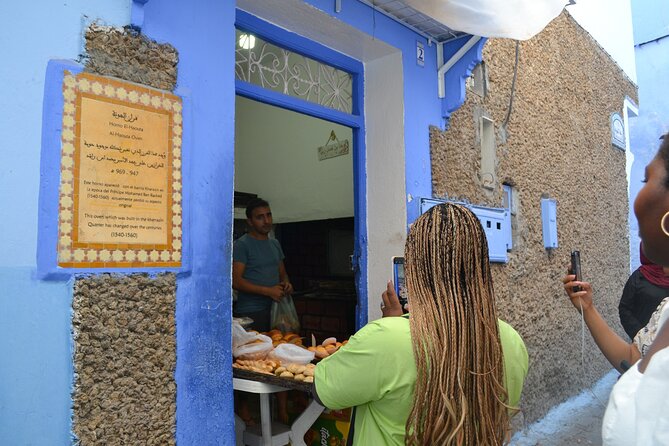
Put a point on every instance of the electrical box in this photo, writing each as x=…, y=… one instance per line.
x=496, y=225
x=549, y=222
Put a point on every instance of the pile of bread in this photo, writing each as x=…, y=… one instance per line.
x=298, y=372
x=279, y=338
x=266, y=366
x=328, y=347
x=255, y=353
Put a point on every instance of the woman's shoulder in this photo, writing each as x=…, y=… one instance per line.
x=385, y=329
x=386, y=324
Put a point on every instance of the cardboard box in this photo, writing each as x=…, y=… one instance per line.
x=330, y=429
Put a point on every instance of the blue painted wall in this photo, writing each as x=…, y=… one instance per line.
x=649, y=19
x=35, y=316
x=36, y=370
x=651, y=36
x=203, y=33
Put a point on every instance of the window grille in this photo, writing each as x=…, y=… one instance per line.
x=264, y=64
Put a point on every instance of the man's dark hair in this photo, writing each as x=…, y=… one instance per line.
x=253, y=204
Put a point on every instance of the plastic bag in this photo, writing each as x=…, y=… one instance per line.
x=239, y=335
x=244, y=321
x=258, y=348
x=284, y=316
x=291, y=354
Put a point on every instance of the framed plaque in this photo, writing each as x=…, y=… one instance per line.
x=120, y=196
x=618, y=131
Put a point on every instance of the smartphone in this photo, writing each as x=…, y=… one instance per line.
x=576, y=268
x=398, y=280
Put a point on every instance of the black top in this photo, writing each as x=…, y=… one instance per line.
x=639, y=300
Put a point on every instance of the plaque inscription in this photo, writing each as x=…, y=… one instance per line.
x=120, y=190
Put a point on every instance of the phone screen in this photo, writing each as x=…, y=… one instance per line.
x=398, y=279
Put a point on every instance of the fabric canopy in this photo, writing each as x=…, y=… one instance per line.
x=514, y=19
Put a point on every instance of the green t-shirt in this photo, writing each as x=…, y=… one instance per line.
x=376, y=372
x=261, y=259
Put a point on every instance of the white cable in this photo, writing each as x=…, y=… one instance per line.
x=580, y=302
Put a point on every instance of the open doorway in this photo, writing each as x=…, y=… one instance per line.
x=303, y=166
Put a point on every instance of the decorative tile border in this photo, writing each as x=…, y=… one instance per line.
x=73, y=253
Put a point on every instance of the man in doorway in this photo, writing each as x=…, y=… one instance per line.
x=259, y=276
x=258, y=272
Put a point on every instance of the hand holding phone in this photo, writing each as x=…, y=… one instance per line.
x=390, y=304
x=580, y=295
x=398, y=279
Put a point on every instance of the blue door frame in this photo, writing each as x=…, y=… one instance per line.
x=355, y=121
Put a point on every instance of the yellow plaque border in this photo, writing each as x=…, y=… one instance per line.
x=75, y=254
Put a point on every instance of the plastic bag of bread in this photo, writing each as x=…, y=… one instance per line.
x=291, y=354
x=239, y=335
x=258, y=348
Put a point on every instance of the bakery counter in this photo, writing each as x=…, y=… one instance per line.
x=265, y=378
x=272, y=433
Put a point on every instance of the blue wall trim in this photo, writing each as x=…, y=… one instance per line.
x=47, y=234
x=456, y=77
x=270, y=97
x=52, y=118
x=294, y=42
x=360, y=223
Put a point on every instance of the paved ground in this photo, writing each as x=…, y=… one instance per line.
x=577, y=421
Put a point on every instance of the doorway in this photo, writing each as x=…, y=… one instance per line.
x=294, y=79
x=303, y=166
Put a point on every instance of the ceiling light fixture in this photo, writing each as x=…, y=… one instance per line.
x=247, y=41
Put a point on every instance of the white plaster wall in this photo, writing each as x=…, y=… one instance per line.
x=386, y=191
x=276, y=158
x=609, y=22
x=29, y=37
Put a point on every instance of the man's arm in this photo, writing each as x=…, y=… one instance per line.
x=283, y=277
x=239, y=283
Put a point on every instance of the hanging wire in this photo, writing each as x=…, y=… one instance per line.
x=513, y=87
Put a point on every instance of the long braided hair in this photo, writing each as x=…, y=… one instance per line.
x=459, y=396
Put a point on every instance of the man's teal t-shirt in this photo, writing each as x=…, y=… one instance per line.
x=376, y=372
x=261, y=259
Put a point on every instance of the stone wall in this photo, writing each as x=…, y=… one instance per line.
x=557, y=145
x=127, y=54
x=124, y=359
x=124, y=325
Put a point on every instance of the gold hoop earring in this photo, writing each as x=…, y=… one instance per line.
x=666, y=232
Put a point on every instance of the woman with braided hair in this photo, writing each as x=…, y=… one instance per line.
x=451, y=372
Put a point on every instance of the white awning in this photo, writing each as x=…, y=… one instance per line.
x=514, y=19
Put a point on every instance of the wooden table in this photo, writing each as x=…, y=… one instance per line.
x=275, y=434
